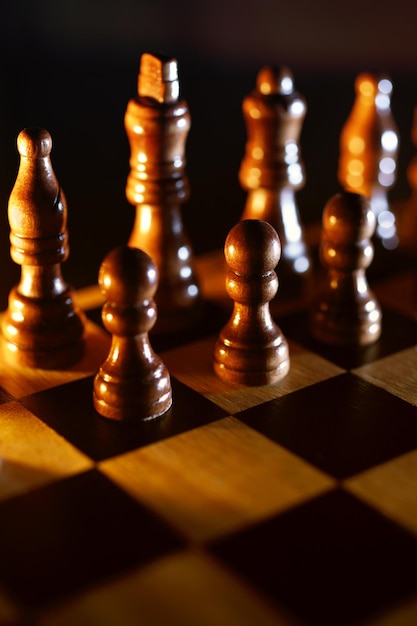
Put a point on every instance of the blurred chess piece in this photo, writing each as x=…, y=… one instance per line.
x=368, y=152
x=157, y=122
x=346, y=312
x=251, y=349
x=412, y=168
x=407, y=208
x=272, y=169
x=133, y=383
x=41, y=326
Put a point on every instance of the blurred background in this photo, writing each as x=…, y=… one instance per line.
x=71, y=66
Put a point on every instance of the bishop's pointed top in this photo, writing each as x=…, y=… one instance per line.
x=34, y=143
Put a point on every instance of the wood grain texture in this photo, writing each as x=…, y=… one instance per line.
x=33, y=455
x=390, y=488
x=203, y=491
x=306, y=369
x=396, y=373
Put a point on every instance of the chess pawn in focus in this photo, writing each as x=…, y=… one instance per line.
x=157, y=122
x=41, y=325
x=133, y=382
x=251, y=349
x=272, y=170
x=346, y=313
x=368, y=152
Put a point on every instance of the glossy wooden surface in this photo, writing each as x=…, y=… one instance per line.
x=346, y=312
x=133, y=382
x=181, y=520
x=251, y=349
x=157, y=122
x=41, y=326
x=250, y=474
x=272, y=169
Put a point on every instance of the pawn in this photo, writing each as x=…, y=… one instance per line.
x=251, y=349
x=41, y=325
x=132, y=383
x=346, y=313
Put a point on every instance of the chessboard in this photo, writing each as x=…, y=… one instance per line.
x=291, y=503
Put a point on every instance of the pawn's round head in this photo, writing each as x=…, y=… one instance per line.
x=252, y=248
x=128, y=276
x=34, y=143
x=348, y=218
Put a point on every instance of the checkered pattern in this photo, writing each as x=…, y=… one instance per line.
x=292, y=504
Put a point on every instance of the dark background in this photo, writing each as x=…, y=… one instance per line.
x=71, y=66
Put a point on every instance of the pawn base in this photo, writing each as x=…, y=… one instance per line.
x=129, y=413
x=132, y=399
x=340, y=330
x=48, y=359
x=254, y=379
x=42, y=333
x=249, y=365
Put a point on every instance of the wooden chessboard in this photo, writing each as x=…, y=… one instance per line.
x=290, y=504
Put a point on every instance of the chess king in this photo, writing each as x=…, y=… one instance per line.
x=157, y=122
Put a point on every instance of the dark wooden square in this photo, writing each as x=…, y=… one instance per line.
x=5, y=396
x=398, y=332
x=69, y=410
x=332, y=560
x=343, y=425
x=75, y=532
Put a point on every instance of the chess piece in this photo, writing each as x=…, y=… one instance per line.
x=346, y=313
x=368, y=152
x=407, y=208
x=41, y=325
x=251, y=349
x=272, y=170
x=412, y=168
x=157, y=122
x=133, y=382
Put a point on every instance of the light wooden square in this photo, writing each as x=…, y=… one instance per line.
x=391, y=488
x=396, y=373
x=32, y=454
x=216, y=479
x=22, y=381
x=193, y=365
